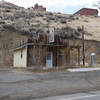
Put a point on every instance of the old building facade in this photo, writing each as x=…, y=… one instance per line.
x=37, y=53
x=62, y=52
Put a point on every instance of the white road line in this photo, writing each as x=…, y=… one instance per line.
x=75, y=98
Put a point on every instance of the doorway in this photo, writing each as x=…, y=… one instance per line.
x=49, y=60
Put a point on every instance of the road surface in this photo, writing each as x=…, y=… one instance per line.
x=79, y=96
x=16, y=84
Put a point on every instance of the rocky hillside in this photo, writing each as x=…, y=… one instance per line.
x=30, y=22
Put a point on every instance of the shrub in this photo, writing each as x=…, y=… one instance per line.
x=68, y=32
x=77, y=18
x=10, y=27
x=59, y=16
x=51, y=18
x=77, y=33
x=71, y=18
x=49, y=13
x=24, y=32
x=58, y=13
x=39, y=14
x=31, y=29
x=39, y=31
x=7, y=10
x=63, y=21
x=79, y=29
x=85, y=20
x=2, y=22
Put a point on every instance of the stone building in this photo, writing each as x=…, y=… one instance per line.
x=39, y=8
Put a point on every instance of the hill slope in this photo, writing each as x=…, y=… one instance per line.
x=30, y=22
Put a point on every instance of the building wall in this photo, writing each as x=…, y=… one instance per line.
x=91, y=46
x=85, y=11
x=36, y=56
x=20, y=58
x=61, y=56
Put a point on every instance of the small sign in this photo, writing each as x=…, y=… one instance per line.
x=51, y=35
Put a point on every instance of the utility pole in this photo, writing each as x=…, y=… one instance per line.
x=3, y=2
x=3, y=6
x=83, y=46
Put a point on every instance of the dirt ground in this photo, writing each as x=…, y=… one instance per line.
x=24, y=85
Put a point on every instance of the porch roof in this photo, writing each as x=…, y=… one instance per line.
x=40, y=44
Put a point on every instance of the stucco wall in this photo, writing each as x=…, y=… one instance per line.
x=20, y=61
x=91, y=46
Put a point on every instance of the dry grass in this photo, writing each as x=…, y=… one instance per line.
x=91, y=24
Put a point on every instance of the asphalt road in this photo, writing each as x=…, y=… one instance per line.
x=79, y=96
x=25, y=85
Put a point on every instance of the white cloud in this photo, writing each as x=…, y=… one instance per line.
x=56, y=3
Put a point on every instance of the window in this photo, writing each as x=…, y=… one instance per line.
x=21, y=54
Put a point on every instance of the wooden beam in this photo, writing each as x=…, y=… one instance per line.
x=79, y=56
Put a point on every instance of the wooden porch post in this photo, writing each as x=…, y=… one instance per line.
x=54, y=56
x=68, y=57
x=78, y=56
x=44, y=56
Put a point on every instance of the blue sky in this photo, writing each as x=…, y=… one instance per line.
x=67, y=10
x=63, y=6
